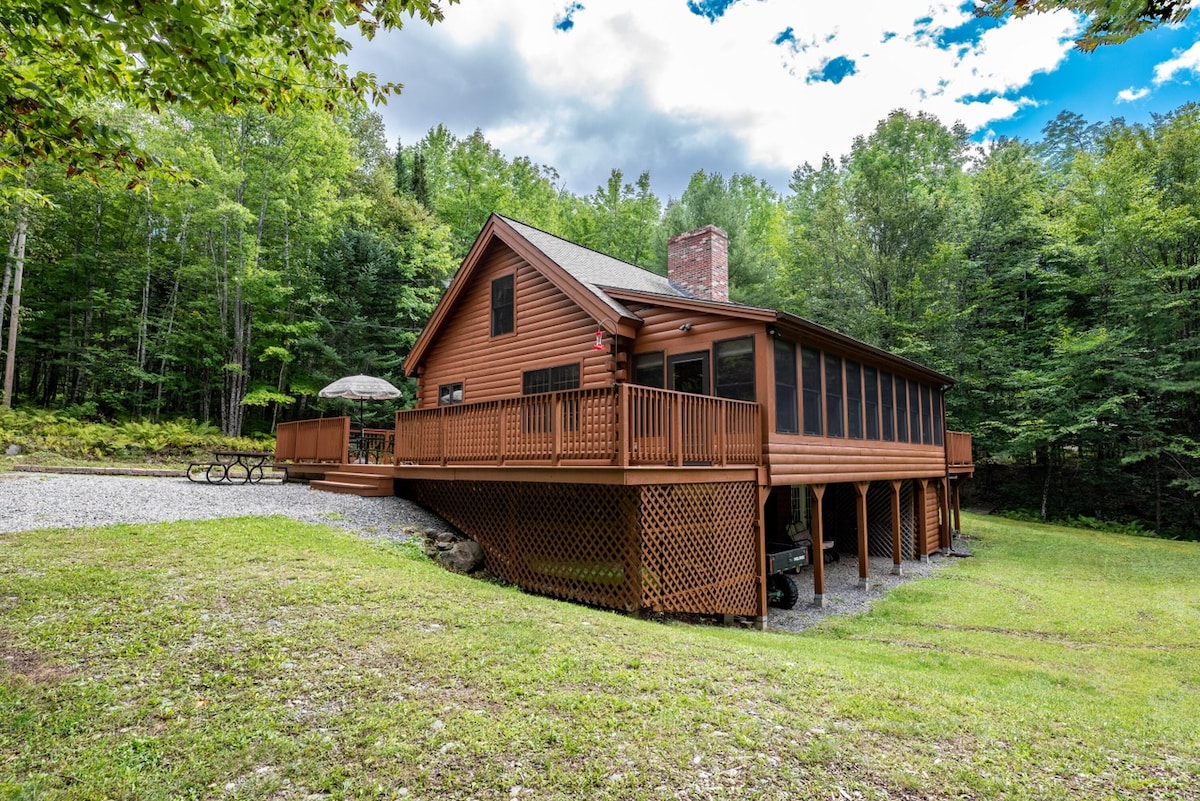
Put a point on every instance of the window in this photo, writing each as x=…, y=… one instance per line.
x=450, y=393
x=901, y=410
x=502, y=305
x=854, y=411
x=786, y=413
x=537, y=416
x=810, y=372
x=887, y=406
x=926, y=415
x=648, y=369
x=734, y=378
x=834, y=413
x=550, y=379
x=914, y=412
x=871, y=401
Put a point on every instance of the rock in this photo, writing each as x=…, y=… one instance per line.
x=464, y=556
x=13, y=450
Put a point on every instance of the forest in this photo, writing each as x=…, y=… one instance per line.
x=1057, y=280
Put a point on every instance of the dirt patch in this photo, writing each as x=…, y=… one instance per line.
x=30, y=665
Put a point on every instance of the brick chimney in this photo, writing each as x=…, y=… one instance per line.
x=698, y=262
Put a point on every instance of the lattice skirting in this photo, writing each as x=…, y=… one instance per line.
x=673, y=548
x=879, y=520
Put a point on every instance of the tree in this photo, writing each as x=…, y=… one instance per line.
x=1107, y=22
x=62, y=59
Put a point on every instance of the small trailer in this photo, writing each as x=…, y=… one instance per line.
x=782, y=559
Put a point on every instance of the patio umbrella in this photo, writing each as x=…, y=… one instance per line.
x=361, y=388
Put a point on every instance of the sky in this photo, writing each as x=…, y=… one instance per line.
x=756, y=87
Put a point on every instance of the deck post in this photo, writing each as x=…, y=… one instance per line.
x=677, y=429
x=764, y=494
x=556, y=426
x=954, y=490
x=897, y=540
x=816, y=528
x=944, y=514
x=722, y=439
x=864, y=563
x=921, y=518
x=624, y=424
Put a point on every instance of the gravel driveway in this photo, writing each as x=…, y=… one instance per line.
x=31, y=501
x=52, y=500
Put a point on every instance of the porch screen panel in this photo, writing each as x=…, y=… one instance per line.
x=786, y=411
x=887, y=406
x=938, y=425
x=901, y=410
x=871, y=401
x=926, y=415
x=914, y=412
x=835, y=419
x=854, y=400
x=810, y=373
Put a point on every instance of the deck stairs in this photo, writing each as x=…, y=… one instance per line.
x=364, y=480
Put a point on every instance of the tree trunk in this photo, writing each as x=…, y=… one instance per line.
x=15, y=317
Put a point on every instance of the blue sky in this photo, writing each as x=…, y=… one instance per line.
x=751, y=86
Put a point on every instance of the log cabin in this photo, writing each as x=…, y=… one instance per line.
x=639, y=442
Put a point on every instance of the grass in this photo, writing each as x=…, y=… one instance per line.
x=266, y=659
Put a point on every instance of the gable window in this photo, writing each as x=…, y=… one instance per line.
x=734, y=374
x=854, y=405
x=786, y=413
x=502, y=306
x=810, y=373
x=887, y=406
x=901, y=410
x=835, y=419
x=648, y=370
x=449, y=394
x=871, y=401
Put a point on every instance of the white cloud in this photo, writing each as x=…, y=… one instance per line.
x=1131, y=94
x=656, y=68
x=1187, y=61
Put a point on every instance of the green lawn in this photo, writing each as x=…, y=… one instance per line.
x=266, y=659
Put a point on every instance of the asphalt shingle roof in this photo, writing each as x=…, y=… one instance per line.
x=595, y=270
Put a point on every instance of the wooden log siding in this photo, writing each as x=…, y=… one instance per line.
x=550, y=330
x=323, y=440
x=584, y=427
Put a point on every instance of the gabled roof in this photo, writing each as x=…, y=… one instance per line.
x=593, y=269
x=599, y=283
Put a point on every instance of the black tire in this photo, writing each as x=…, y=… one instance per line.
x=782, y=592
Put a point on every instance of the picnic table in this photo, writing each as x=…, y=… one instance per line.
x=231, y=467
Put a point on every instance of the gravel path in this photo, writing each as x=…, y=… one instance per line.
x=30, y=501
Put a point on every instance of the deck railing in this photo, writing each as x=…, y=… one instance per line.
x=625, y=426
x=323, y=440
x=958, y=449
